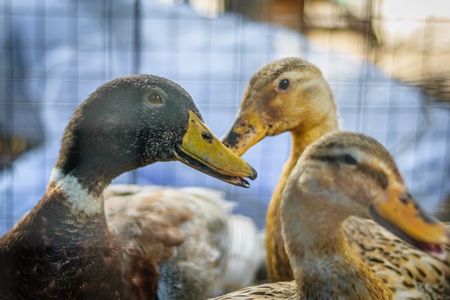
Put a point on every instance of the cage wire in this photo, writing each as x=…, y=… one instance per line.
x=389, y=81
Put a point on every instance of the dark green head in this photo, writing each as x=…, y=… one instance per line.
x=137, y=120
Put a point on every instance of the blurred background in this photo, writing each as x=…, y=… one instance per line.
x=387, y=63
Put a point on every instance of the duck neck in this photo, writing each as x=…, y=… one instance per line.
x=301, y=139
x=274, y=240
x=81, y=199
x=93, y=162
x=92, y=175
x=95, y=150
x=323, y=264
x=82, y=177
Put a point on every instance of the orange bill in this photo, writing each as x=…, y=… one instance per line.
x=398, y=212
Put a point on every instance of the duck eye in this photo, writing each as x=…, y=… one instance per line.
x=284, y=84
x=154, y=98
x=207, y=137
x=348, y=159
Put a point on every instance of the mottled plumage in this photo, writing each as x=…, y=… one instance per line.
x=188, y=232
x=422, y=277
x=337, y=178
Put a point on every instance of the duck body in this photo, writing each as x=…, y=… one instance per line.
x=43, y=261
x=345, y=176
x=162, y=224
x=63, y=247
x=189, y=232
x=286, y=95
x=406, y=271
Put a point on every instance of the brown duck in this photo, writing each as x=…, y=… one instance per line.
x=344, y=175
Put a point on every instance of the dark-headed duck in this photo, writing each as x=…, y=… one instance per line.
x=63, y=249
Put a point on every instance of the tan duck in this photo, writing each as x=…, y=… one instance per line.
x=201, y=248
x=346, y=174
x=286, y=95
x=63, y=248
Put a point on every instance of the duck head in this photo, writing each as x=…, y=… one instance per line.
x=286, y=95
x=352, y=174
x=137, y=120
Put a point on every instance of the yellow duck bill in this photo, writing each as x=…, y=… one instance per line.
x=203, y=151
x=398, y=212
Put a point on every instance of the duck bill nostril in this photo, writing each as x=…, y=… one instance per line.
x=212, y=157
x=207, y=137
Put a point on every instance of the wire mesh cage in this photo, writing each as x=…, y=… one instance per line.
x=389, y=82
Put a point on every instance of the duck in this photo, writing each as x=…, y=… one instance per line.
x=289, y=94
x=202, y=249
x=349, y=175
x=63, y=248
